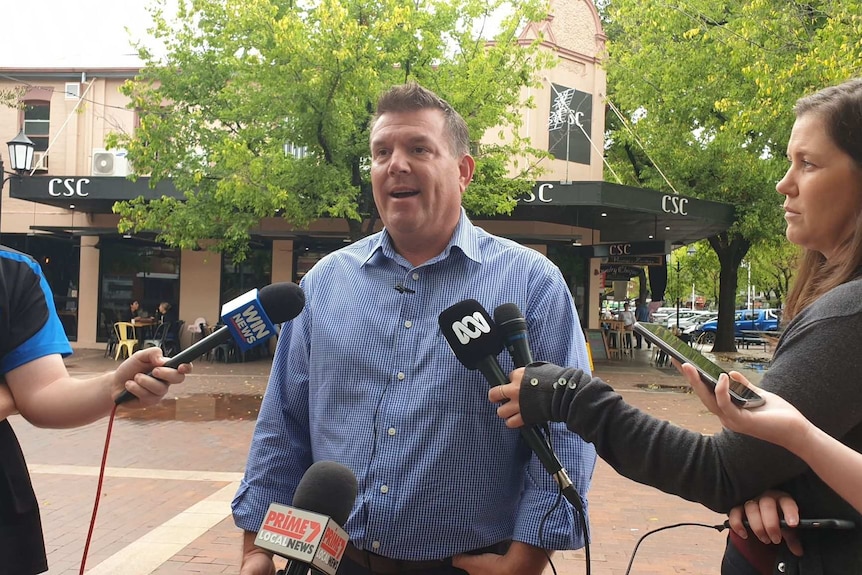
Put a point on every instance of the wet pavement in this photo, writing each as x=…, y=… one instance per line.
x=172, y=471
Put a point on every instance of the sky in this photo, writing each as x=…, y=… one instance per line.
x=79, y=33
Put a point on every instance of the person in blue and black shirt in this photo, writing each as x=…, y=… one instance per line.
x=35, y=384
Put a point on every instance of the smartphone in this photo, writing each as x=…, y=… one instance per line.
x=709, y=372
x=812, y=524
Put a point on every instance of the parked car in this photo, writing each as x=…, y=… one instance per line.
x=687, y=317
x=695, y=327
x=746, y=323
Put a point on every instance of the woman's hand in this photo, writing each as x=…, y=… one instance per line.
x=509, y=396
x=763, y=515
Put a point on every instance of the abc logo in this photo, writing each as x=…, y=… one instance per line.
x=471, y=327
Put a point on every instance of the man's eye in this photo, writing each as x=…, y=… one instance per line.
x=419, y=150
x=380, y=153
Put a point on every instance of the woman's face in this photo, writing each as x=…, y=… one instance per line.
x=822, y=189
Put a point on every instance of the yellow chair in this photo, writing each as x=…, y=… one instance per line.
x=127, y=341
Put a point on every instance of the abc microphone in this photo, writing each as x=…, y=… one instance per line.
x=309, y=533
x=249, y=319
x=476, y=341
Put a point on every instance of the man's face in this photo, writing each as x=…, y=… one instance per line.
x=417, y=179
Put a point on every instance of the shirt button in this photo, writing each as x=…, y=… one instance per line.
x=391, y=431
x=384, y=489
x=415, y=276
x=375, y=544
x=408, y=324
x=401, y=376
x=534, y=382
x=781, y=567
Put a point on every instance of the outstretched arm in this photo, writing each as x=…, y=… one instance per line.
x=777, y=421
x=47, y=396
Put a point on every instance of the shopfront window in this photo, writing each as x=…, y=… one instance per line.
x=253, y=272
x=135, y=270
x=59, y=258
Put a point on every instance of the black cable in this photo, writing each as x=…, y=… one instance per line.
x=580, y=511
x=718, y=528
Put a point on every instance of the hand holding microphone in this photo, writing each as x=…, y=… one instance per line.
x=249, y=319
x=476, y=341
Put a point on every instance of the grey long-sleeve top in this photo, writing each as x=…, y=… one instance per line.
x=817, y=367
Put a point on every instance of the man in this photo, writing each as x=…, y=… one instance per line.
x=364, y=376
x=641, y=315
x=32, y=345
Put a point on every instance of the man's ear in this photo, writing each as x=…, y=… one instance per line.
x=466, y=167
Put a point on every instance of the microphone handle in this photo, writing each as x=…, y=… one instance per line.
x=296, y=568
x=519, y=349
x=187, y=355
x=490, y=368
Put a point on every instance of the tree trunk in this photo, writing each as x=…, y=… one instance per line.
x=731, y=249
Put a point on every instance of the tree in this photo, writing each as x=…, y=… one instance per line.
x=263, y=107
x=772, y=268
x=705, y=91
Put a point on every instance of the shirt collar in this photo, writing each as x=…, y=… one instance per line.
x=465, y=238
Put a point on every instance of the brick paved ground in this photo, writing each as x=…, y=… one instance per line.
x=173, y=469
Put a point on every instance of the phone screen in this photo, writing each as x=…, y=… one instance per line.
x=684, y=353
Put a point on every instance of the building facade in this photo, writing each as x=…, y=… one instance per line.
x=61, y=212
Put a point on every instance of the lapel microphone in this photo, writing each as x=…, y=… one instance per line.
x=400, y=288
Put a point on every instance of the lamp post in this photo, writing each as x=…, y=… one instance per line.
x=20, y=157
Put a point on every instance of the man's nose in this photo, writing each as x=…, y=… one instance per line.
x=399, y=162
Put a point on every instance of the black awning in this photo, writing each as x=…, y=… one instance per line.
x=625, y=213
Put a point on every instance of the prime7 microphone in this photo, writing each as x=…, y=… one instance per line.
x=476, y=341
x=309, y=533
x=248, y=318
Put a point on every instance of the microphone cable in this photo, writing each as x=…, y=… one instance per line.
x=98, y=488
x=578, y=504
x=718, y=528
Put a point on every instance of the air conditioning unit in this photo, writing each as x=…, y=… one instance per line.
x=40, y=161
x=110, y=163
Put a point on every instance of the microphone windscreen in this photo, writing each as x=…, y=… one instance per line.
x=328, y=488
x=509, y=319
x=471, y=332
x=282, y=301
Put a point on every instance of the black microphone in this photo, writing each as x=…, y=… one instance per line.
x=401, y=288
x=476, y=341
x=309, y=533
x=513, y=327
x=248, y=318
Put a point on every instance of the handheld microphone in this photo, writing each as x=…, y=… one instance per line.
x=248, y=318
x=476, y=341
x=513, y=328
x=309, y=533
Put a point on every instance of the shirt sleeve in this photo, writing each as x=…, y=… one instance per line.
x=31, y=327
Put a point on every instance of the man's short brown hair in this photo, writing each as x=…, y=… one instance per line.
x=411, y=97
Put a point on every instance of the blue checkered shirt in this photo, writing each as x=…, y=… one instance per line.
x=363, y=376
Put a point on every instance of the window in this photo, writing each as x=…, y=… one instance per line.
x=37, y=123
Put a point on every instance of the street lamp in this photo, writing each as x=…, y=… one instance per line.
x=20, y=157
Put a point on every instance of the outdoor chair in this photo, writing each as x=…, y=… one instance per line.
x=126, y=339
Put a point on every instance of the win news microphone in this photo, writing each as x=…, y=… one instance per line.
x=476, y=341
x=309, y=533
x=249, y=319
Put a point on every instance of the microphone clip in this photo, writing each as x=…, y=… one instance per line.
x=401, y=288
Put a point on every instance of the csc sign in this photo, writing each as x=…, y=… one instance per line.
x=541, y=194
x=68, y=187
x=674, y=205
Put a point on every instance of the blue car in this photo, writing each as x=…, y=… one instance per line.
x=746, y=321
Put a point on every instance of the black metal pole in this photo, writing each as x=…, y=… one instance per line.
x=677, y=296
